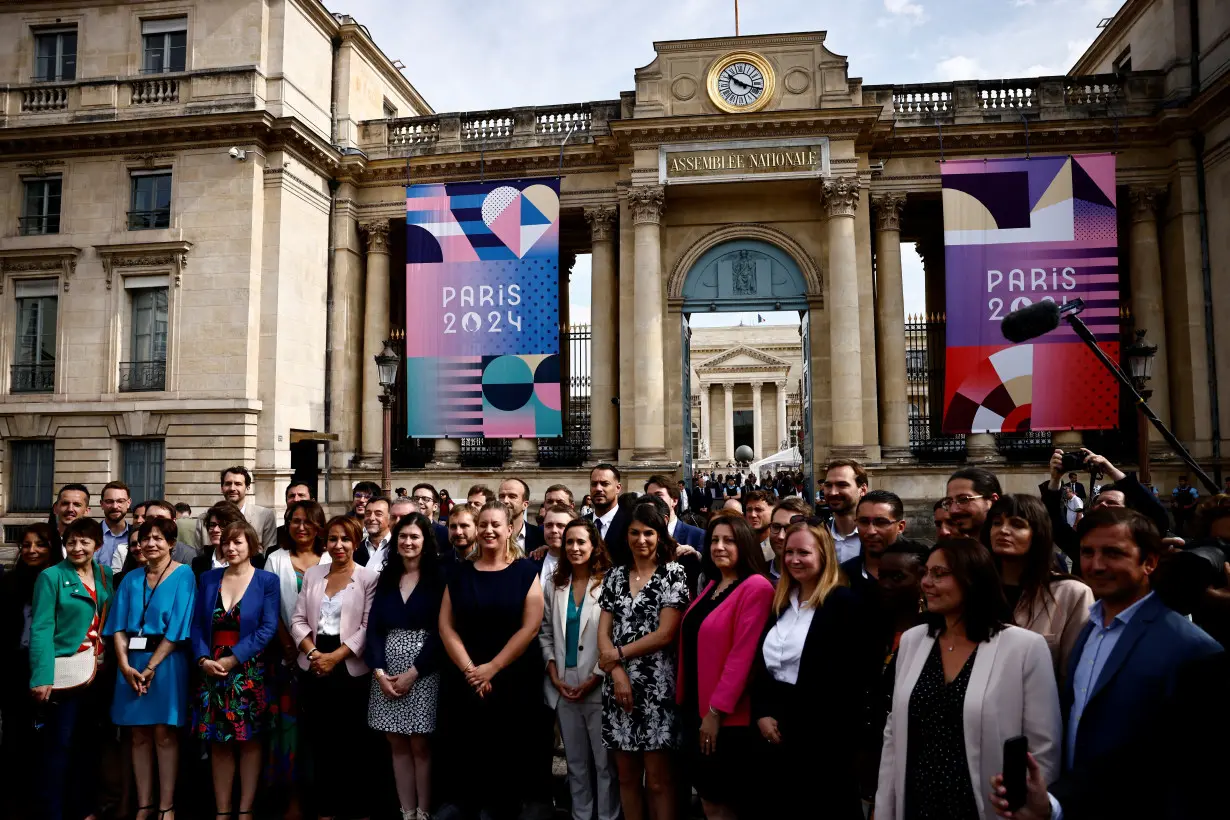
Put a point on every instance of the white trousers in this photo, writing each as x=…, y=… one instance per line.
x=590, y=766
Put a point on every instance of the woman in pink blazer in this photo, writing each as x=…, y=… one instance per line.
x=330, y=628
x=718, y=641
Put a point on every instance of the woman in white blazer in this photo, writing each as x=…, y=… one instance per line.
x=569, y=643
x=966, y=681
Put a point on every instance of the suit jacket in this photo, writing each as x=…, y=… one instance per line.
x=1130, y=717
x=355, y=606
x=552, y=638
x=687, y=534
x=262, y=520
x=534, y=537
x=1011, y=692
x=616, y=537
x=726, y=650
x=202, y=564
x=1060, y=620
x=258, y=615
x=60, y=616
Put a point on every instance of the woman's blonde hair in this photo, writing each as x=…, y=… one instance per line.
x=514, y=552
x=831, y=575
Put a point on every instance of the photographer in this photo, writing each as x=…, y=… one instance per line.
x=1195, y=578
x=1125, y=491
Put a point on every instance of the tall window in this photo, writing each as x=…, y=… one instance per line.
x=55, y=55
x=31, y=475
x=151, y=200
x=34, y=363
x=146, y=368
x=143, y=460
x=40, y=206
x=164, y=45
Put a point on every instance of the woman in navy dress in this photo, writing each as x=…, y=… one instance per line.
x=490, y=616
x=150, y=618
x=236, y=618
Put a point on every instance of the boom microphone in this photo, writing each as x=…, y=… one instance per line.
x=1031, y=321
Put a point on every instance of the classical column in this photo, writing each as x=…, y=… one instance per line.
x=841, y=304
x=1147, y=305
x=647, y=203
x=890, y=304
x=375, y=332
x=604, y=330
x=757, y=423
x=704, y=418
x=730, y=420
x=783, y=435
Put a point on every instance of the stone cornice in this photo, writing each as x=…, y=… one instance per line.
x=47, y=260
x=742, y=43
x=144, y=255
x=742, y=350
x=831, y=122
x=357, y=34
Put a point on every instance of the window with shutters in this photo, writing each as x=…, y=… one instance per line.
x=31, y=475
x=164, y=45
x=143, y=460
x=34, y=357
x=55, y=54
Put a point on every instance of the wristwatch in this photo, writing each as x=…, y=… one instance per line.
x=378, y=673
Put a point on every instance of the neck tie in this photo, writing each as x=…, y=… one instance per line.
x=598, y=524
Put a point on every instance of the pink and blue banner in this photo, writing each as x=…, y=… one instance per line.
x=482, y=310
x=1017, y=231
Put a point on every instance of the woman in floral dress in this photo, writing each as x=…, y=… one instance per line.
x=236, y=618
x=642, y=604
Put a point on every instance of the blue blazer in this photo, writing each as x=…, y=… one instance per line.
x=258, y=615
x=1129, y=716
x=691, y=536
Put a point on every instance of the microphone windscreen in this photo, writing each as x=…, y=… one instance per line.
x=1031, y=322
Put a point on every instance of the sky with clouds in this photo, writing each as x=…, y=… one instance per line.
x=468, y=55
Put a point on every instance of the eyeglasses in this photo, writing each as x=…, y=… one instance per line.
x=424, y=499
x=938, y=573
x=958, y=501
x=213, y=525
x=362, y=496
x=878, y=523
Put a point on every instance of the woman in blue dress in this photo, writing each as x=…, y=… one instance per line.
x=151, y=618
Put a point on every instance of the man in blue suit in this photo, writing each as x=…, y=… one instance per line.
x=1127, y=740
x=684, y=534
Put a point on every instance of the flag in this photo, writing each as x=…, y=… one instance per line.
x=759, y=319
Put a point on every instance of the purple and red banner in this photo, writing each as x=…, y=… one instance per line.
x=1017, y=231
x=482, y=310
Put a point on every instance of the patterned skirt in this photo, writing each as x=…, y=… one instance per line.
x=415, y=712
x=235, y=707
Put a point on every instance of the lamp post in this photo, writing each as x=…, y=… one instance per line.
x=388, y=362
x=1140, y=368
x=795, y=427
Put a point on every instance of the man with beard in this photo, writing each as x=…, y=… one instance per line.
x=462, y=535
x=971, y=492
x=610, y=519
x=114, y=549
x=236, y=484
x=881, y=523
x=845, y=482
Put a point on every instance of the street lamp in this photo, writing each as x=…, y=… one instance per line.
x=388, y=362
x=795, y=427
x=1140, y=368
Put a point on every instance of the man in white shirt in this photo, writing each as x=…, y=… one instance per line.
x=375, y=548
x=553, y=523
x=845, y=483
x=1073, y=506
x=236, y=483
x=516, y=494
x=758, y=512
x=604, y=489
x=114, y=548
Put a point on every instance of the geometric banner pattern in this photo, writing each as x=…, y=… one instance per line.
x=482, y=310
x=1019, y=231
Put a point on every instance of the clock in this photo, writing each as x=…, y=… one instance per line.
x=741, y=82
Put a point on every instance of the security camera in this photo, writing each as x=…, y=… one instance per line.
x=238, y=153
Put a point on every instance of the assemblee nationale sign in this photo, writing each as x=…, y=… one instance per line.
x=732, y=161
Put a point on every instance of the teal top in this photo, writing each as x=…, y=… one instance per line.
x=61, y=614
x=572, y=631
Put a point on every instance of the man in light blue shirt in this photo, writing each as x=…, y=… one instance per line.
x=115, y=502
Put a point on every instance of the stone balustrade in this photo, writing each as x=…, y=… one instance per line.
x=155, y=91
x=44, y=98
x=536, y=127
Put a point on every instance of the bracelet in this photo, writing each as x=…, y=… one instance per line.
x=714, y=712
x=313, y=651
x=378, y=673
x=469, y=666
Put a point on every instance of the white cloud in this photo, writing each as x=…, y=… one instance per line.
x=904, y=8
x=1022, y=3
x=960, y=68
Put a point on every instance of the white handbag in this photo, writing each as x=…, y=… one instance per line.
x=75, y=671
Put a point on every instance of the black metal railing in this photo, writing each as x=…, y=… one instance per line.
x=39, y=225
x=924, y=371
x=32, y=378
x=148, y=220
x=412, y=453
x=573, y=447
x=1030, y=445
x=485, y=453
x=140, y=376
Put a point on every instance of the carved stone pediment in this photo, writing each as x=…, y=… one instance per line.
x=741, y=357
x=145, y=256
x=35, y=260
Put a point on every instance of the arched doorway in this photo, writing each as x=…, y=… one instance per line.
x=748, y=268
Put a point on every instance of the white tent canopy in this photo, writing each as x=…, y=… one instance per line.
x=786, y=458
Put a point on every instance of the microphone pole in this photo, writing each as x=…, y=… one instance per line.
x=1086, y=335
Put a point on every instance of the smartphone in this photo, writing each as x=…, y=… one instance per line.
x=1015, y=766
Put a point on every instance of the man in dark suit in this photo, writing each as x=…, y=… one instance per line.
x=880, y=520
x=684, y=534
x=610, y=519
x=1126, y=690
x=516, y=493
x=428, y=500
x=295, y=491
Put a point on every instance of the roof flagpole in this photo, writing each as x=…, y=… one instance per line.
x=736, y=18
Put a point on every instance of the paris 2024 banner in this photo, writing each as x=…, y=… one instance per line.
x=1017, y=231
x=482, y=309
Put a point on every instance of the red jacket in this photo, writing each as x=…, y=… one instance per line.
x=726, y=649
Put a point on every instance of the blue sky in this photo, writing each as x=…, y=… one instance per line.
x=468, y=55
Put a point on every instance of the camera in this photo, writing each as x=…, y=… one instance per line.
x=1182, y=577
x=1073, y=462
x=237, y=153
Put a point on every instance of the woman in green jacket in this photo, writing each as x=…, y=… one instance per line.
x=70, y=607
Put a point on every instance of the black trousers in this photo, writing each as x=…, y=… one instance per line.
x=334, y=720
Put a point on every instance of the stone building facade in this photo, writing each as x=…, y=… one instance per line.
x=279, y=261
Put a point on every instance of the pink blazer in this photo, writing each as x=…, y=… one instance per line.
x=355, y=606
x=726, y=648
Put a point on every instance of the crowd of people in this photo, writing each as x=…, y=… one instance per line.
x=737, y=654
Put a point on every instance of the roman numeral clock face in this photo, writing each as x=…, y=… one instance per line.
x=740, y=82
